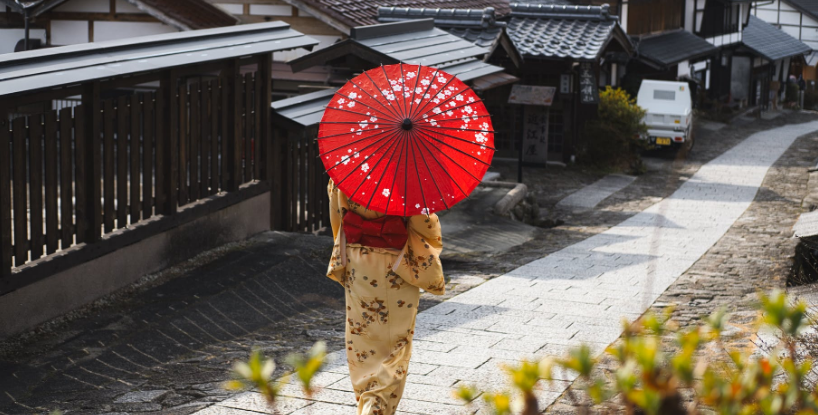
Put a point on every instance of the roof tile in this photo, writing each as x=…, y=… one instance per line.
x=673, y=47
x=560, y=31
x=365, y=12
x=771, y=42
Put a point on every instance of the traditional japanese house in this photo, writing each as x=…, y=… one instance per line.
x=568, y=52
x=671, y=55
x=411, y=42
x=67, y=22
x=799, y=19
x=768, y=52
x=255, y=11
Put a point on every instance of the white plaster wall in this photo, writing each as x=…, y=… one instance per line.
x=690, y=7
x=623, y=18
x=10, y=37
x=769, y=16
x=794, y=31
x=324, y=41
x=683, y=68
x=68, y=32
x=809, y=34
x=85, y=6
x=271, y=10
x=789, y=17
x=786, y=7
x=231, y=8
x=124, y=30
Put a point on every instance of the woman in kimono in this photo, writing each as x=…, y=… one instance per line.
x=382, y=285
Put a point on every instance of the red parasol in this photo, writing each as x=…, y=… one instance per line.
x=406, y=140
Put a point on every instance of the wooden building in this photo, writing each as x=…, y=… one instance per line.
x=568, y=52
x=68, y=22
x=797, y=18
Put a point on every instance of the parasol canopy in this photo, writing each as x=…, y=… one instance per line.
x=406, y=140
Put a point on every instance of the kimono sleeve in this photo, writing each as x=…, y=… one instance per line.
x=421, y=265
x=338, y=206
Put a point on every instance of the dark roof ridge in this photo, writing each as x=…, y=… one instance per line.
x=466, y=18
x=562, y=11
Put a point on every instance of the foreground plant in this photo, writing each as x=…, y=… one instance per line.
x=257, y=372
x=649, y=379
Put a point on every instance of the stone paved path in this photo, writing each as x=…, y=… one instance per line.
x=578, y=294
x=590, y=196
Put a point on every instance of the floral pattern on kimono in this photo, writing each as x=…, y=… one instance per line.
x=381, y=302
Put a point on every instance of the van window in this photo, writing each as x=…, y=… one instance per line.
x=665, y=95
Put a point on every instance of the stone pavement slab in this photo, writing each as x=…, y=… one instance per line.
x=590, y=196
x=625, y=269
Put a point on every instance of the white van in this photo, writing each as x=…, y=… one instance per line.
x=669, y=112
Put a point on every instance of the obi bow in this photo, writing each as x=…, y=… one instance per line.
x=383, y=232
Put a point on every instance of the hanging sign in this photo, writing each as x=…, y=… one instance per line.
x=565, y=84
x=532, y=95
x=588, y=93
x=535, y=135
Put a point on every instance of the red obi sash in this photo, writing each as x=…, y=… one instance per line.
x=384, y=232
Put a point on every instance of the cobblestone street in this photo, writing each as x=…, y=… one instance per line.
x=695, y=233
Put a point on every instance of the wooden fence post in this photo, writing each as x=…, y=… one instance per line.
x=169, y=141
x=234, y=110
x=267, y=140
x=5, y=197
x=89, y=166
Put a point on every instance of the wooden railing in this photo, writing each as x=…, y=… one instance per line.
x=303, y=204
x=75, y=175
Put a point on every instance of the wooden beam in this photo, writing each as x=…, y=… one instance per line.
x=90, y=30
x=122, y=17
x=321, y=15
x=246, y=9
x=112, y=7
x=304, y=24
x=295, y=11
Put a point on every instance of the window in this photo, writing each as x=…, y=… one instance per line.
x=664, y=95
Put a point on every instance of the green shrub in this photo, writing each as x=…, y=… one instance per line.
x=613, y=140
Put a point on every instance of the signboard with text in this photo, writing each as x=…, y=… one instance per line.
x=532, y=95
x=588, y=92
x=535, y=135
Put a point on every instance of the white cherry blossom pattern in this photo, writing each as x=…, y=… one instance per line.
x=451, y=123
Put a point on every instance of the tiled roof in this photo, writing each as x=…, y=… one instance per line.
x=68, y=65
x=476, y=26
x=561, y=31
x=673, y=47
x=480, y=37
x=304, y=110
x=365, y=12
x=186, y=14
x=443, y=17
x=771, y=42
x=412, y=42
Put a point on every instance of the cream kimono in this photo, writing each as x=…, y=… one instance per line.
x=382, y=299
